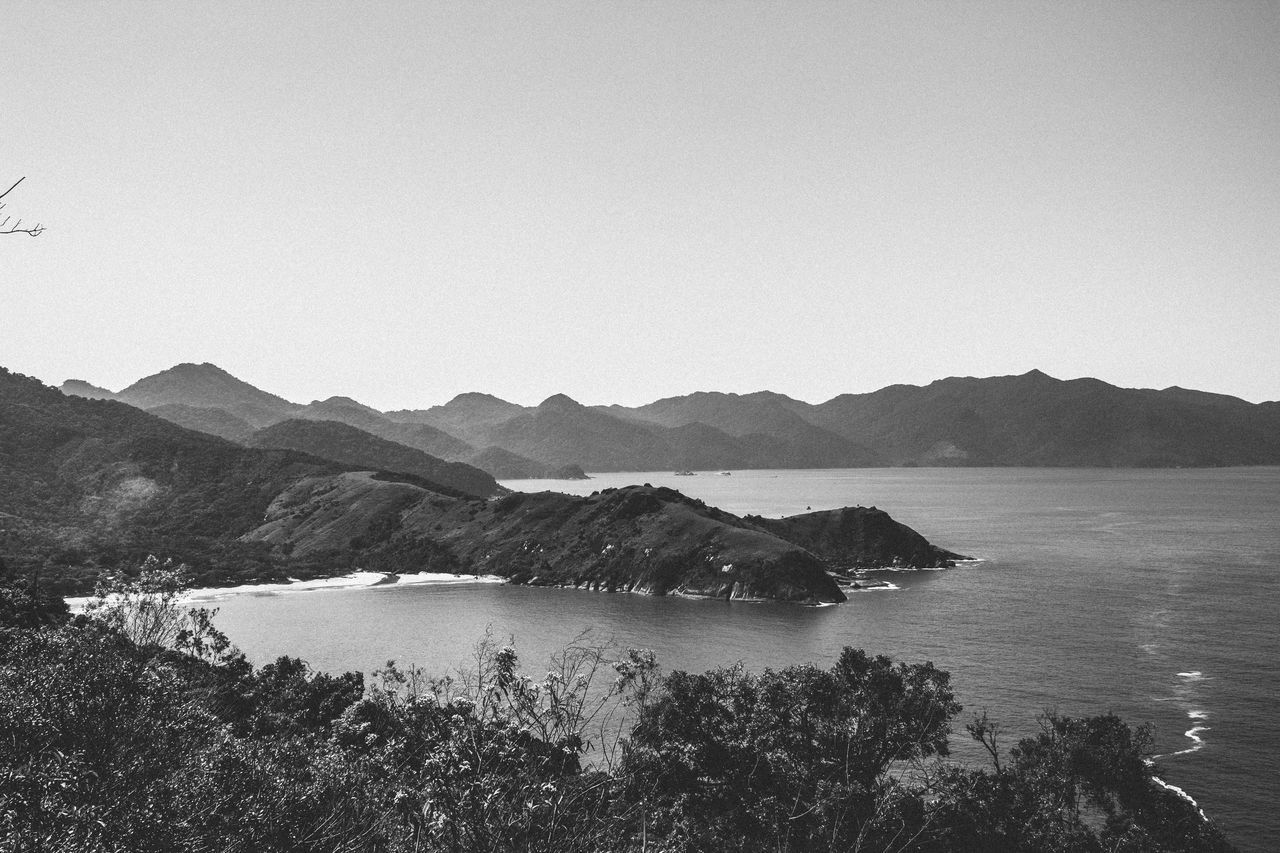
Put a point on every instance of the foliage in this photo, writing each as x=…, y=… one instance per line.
x=1081, y=784
x=137, y=728
x=147, y=611
x=800, y=757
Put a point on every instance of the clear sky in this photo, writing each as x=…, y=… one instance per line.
x=624, y=201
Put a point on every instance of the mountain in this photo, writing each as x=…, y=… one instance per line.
x=505, y=465
x=465, y=416
x=86, y=483
x=1027, y=420
x=419, y=436
x=80, y=388
x=210, y=387
x=1036, y=420
x=797, y=442
x=355, y=447
x=217, y=422
x=561, y=431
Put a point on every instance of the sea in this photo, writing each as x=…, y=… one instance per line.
x=1154, y=594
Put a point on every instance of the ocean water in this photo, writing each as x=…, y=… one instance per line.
x=1153, y=593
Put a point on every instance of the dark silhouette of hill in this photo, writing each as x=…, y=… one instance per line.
x=357, y=448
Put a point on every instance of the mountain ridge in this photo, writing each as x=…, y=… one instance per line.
x=1016, y=420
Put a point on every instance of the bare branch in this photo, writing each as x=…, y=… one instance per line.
x=15, y=183
x=15, y=228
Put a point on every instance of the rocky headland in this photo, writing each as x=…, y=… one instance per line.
x=634, y=539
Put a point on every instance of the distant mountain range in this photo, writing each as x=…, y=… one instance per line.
x=1027, y=420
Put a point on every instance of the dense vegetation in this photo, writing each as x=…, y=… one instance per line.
x=136, y=727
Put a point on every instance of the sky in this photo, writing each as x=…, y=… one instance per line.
x=400, y=202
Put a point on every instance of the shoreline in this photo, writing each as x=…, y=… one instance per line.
x=373, y=580
x=351, y=580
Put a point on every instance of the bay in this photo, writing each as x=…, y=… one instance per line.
x=1150, y=593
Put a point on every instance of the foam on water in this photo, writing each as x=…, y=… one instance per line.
x=1181, y=793
x=1193, y=734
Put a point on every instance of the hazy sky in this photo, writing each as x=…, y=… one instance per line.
x=624, y=201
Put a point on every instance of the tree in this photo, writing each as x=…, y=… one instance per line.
x=799, y=759
x=16, y=228
x=147, y=609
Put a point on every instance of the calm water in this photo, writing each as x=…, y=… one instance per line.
x=1153, y=594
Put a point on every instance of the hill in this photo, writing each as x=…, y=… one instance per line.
x=796, y=442
x=561, y=431
x=466, y=416
x=419, y=436
x=85, y=483
x=207, y=386
x=80, y=388
x=505, y=465
x=357, y=448
x=1036, y=420
x=217, y=422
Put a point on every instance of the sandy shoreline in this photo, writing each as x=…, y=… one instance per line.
x=354, y=580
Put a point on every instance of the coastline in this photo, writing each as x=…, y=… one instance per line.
x=352, y=580
x=372, y=580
